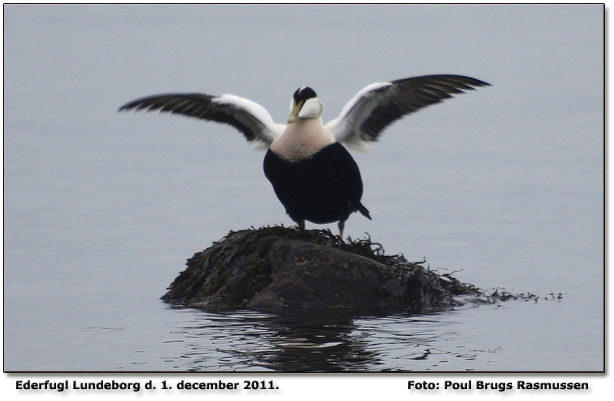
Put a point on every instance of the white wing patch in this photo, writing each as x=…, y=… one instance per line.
x=251, y=107
x=362, y=93
x=255, y=110
x=343, y=127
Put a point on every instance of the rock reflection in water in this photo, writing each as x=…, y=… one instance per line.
x=317, y=343
x=245, y=341
x=251, y=341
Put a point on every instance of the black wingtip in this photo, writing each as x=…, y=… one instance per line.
x=471, y=82
x=129, y=105
x=482, y=83
x=126, y=107
x=477, y=82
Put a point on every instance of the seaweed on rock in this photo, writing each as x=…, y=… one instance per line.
x=281, y=269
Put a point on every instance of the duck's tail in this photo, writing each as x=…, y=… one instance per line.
x=364, y=211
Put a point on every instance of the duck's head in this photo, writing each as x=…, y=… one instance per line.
x=305, y=104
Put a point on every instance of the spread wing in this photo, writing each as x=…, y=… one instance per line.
x=248, y=117
x=378, y=105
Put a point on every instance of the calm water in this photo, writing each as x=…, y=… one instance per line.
x=503, y=185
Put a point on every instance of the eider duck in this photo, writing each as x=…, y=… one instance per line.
x=313, y=175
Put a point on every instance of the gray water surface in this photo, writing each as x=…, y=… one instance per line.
x=503, y=185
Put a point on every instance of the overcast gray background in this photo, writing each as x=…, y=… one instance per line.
x=504, y=184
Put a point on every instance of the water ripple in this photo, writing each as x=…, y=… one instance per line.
x=251, y=341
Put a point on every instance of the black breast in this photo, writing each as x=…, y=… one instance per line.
x=322, y=189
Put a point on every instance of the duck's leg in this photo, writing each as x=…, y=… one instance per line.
x=301, y=224
x=341, y=227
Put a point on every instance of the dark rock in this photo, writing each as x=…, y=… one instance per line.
x=280, y=269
